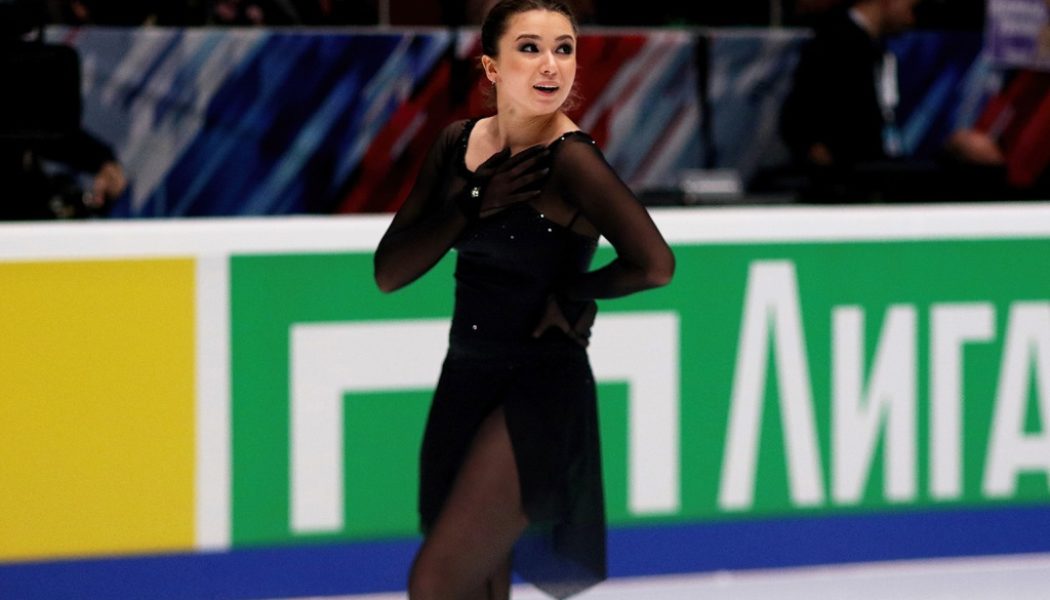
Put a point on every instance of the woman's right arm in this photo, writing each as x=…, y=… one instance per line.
x=425, y=226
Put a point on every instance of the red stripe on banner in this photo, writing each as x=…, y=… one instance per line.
x=642, y=172
x=604, y=57
x=384, y=179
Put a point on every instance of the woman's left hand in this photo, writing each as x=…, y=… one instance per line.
x=580, y=332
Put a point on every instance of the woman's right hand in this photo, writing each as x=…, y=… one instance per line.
x=503, y=180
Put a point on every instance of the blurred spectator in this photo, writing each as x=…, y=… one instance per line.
x=966, y=15
x=338, y=12
x=127, y=13
x=102, y=12
x=237, y=12
x=929, y=14
x=674, y=12
x=36, y=192
x=255, y=12
x=804, y=9
x=841, y=109
x=179, y=13
x=839, y=122
x=40, y=122
x=216, y=12
x=1013, y=133
x=295, y=12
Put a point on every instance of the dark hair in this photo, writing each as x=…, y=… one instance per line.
x=495, y=24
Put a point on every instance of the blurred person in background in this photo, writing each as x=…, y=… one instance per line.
x=338, y=12
x=968, y=15
x=1012, y=133
x=510, y=464
x=125, y=13
x=40, y=124
x=128, y=13
x=295, y=12
x=254, y=12
x=840, y=123
x=841, y=108
x=658, y=13
x=1012, y=136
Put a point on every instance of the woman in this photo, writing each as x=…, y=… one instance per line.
x=510, y=456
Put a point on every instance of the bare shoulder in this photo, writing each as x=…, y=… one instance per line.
x=482, y=143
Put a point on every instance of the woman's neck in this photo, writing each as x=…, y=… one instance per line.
x=518, y=133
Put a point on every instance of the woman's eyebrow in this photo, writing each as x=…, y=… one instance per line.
x=533, y=36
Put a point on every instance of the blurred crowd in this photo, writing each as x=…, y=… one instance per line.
x=186, y=13
x=934, y=14
x=839, y=120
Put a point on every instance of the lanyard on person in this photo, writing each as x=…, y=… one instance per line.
x=889, y=97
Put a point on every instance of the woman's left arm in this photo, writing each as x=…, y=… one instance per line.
x=643, y=259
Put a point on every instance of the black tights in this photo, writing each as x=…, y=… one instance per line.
x=466, y=555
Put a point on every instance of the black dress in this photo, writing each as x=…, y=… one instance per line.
x=507, y=266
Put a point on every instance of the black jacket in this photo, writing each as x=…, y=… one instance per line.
x=834, y=100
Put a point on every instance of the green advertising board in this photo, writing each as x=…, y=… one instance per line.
x=813, y=378
x=816, y=386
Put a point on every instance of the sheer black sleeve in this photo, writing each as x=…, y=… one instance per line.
x=643, y=259
x=426, y=225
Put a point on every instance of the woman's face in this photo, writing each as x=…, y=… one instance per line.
x=536, y=66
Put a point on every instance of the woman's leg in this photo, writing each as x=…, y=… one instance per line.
x=482, y=518
x=497, y=587
x=499, y=583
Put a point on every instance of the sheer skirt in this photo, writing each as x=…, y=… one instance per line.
x=547, y=392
